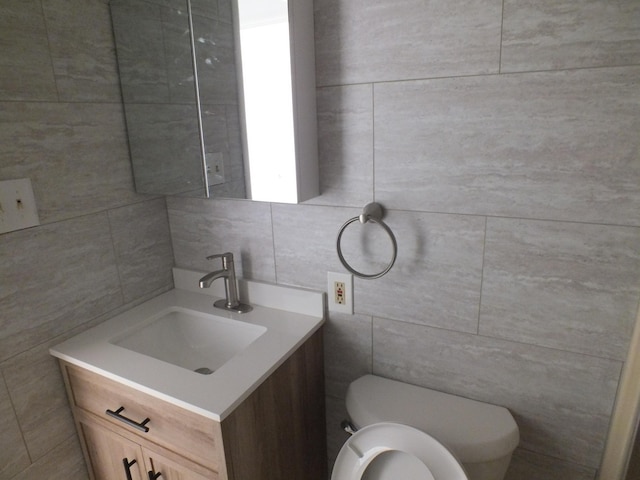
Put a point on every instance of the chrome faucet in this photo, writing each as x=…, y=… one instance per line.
x=230, y=284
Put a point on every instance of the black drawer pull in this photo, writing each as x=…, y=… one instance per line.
x=140, y=426
x=154, y=476
x=127, y=467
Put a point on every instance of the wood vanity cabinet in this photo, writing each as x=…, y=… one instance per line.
x=276, y=433
x=114, y=456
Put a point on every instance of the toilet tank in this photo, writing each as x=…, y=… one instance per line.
x=481, y=436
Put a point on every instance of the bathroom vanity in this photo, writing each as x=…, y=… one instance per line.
x=258, y=414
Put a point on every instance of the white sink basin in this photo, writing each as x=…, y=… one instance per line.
x=155, y=347
x=189, y=339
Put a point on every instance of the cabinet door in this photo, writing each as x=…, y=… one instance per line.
x=112, y=457
x=162, y=468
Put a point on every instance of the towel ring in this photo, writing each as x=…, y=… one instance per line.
x=371, y=212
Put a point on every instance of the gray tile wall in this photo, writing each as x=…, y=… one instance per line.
x=503, y=139
x=501, y=136
x=100, y=247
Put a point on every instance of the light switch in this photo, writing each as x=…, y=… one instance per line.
x=17, y=205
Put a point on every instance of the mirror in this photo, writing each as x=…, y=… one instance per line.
x=219, y=97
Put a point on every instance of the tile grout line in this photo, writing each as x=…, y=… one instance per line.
x=50, y=53
x=15, y=414
x=484, y=251
x=501, y=39
x=499, y=339
x=373, y=142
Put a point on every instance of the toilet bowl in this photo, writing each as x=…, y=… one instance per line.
x=410, y=432
x=392, y=451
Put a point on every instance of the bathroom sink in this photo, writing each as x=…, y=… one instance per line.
x=156, y=347
x=194, y=340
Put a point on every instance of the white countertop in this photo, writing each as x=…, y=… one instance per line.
x=290, y=316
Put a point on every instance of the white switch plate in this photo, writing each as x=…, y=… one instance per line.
x=347, y=280
x=17, y=205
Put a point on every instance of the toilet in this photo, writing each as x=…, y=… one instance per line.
x=412, y=433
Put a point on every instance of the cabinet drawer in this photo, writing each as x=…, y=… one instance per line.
x=184, y=432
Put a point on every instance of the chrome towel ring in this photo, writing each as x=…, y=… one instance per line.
x=371, y=212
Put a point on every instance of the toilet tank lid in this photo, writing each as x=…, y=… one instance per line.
x=474, y=431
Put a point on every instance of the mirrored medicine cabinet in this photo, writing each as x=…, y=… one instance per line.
x=219, y=97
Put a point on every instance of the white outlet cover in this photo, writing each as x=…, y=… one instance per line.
x=17, y=205
x=347, y=279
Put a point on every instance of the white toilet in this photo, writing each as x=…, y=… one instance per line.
x=413, y=433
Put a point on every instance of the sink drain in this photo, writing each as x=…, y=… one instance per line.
x=203, y=371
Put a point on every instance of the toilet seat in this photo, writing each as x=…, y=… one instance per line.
x=391, y=451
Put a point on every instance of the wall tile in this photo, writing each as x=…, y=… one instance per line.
x=305, y=243
x=25, y=64
x=570, y=286
x=138, y=31
x=216, y=60
x=13, y=452
x=560, y=400
x=65, y=462
x=559, y=145
x=360, y=41
x=556, y=34
x=38, y=394
x=345, y=145
x=158, y=135
x=45, y=289
x=529, y=465
x=75, y=154
x=347, y=344
x=82, y=50
x=202, y=227
x=142, y=243
x=176, y=48
x=205, y=8
x=437, y=275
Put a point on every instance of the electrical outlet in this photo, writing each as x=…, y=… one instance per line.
x=338, y=288
x=340, y=292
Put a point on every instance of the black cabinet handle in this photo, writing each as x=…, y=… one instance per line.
x=154, y=476
x=139, y=425
x=127, y=467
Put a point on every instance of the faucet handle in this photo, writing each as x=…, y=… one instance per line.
x=227, y=259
